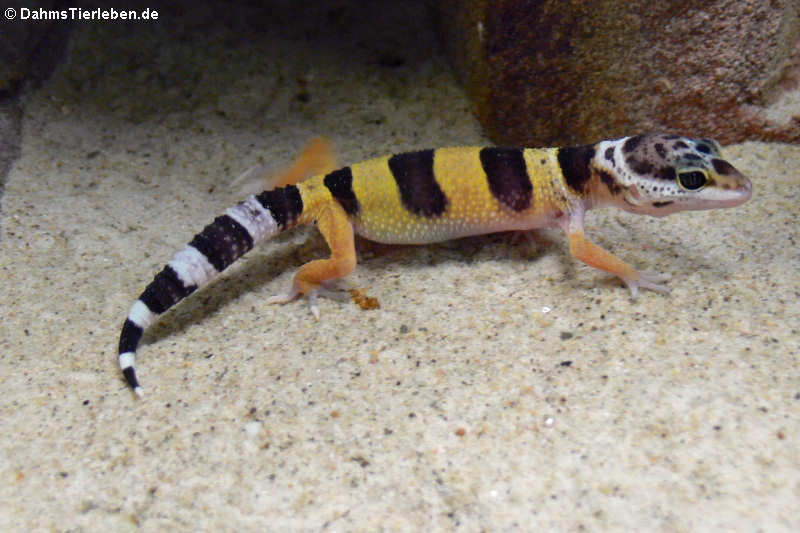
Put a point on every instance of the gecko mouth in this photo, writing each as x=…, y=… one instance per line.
x=731, y=196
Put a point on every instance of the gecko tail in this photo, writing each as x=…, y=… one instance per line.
x=211, y=251
x=317, y=157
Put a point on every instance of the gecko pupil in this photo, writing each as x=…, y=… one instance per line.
x=693, y=180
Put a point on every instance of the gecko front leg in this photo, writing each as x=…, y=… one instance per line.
x=593, y=255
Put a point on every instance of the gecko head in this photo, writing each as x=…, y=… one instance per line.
x=658, y=174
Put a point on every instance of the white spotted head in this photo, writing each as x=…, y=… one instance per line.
x=658, y=174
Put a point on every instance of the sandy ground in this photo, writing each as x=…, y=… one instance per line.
x=499, y=387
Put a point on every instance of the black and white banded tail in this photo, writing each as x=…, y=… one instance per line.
x=211, y=251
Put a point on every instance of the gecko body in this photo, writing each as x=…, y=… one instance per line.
x=436, y=195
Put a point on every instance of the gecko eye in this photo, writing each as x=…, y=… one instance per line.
x=692, y=180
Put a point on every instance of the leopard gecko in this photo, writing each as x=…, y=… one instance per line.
x=445, y=193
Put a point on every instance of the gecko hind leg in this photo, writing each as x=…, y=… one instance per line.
x=311, y=279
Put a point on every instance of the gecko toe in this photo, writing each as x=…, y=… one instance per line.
x=647, y=280
x=286, y=297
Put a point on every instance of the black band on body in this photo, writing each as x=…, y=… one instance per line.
x=508, y=177
x=574, y=162
x=419, y=192
x=340, y=184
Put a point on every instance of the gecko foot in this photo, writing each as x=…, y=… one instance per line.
x=647, y=280
x=325, y=292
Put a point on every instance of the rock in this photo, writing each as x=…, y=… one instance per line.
x=564, y=72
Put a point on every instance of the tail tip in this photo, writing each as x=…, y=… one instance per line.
x=126, y=364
